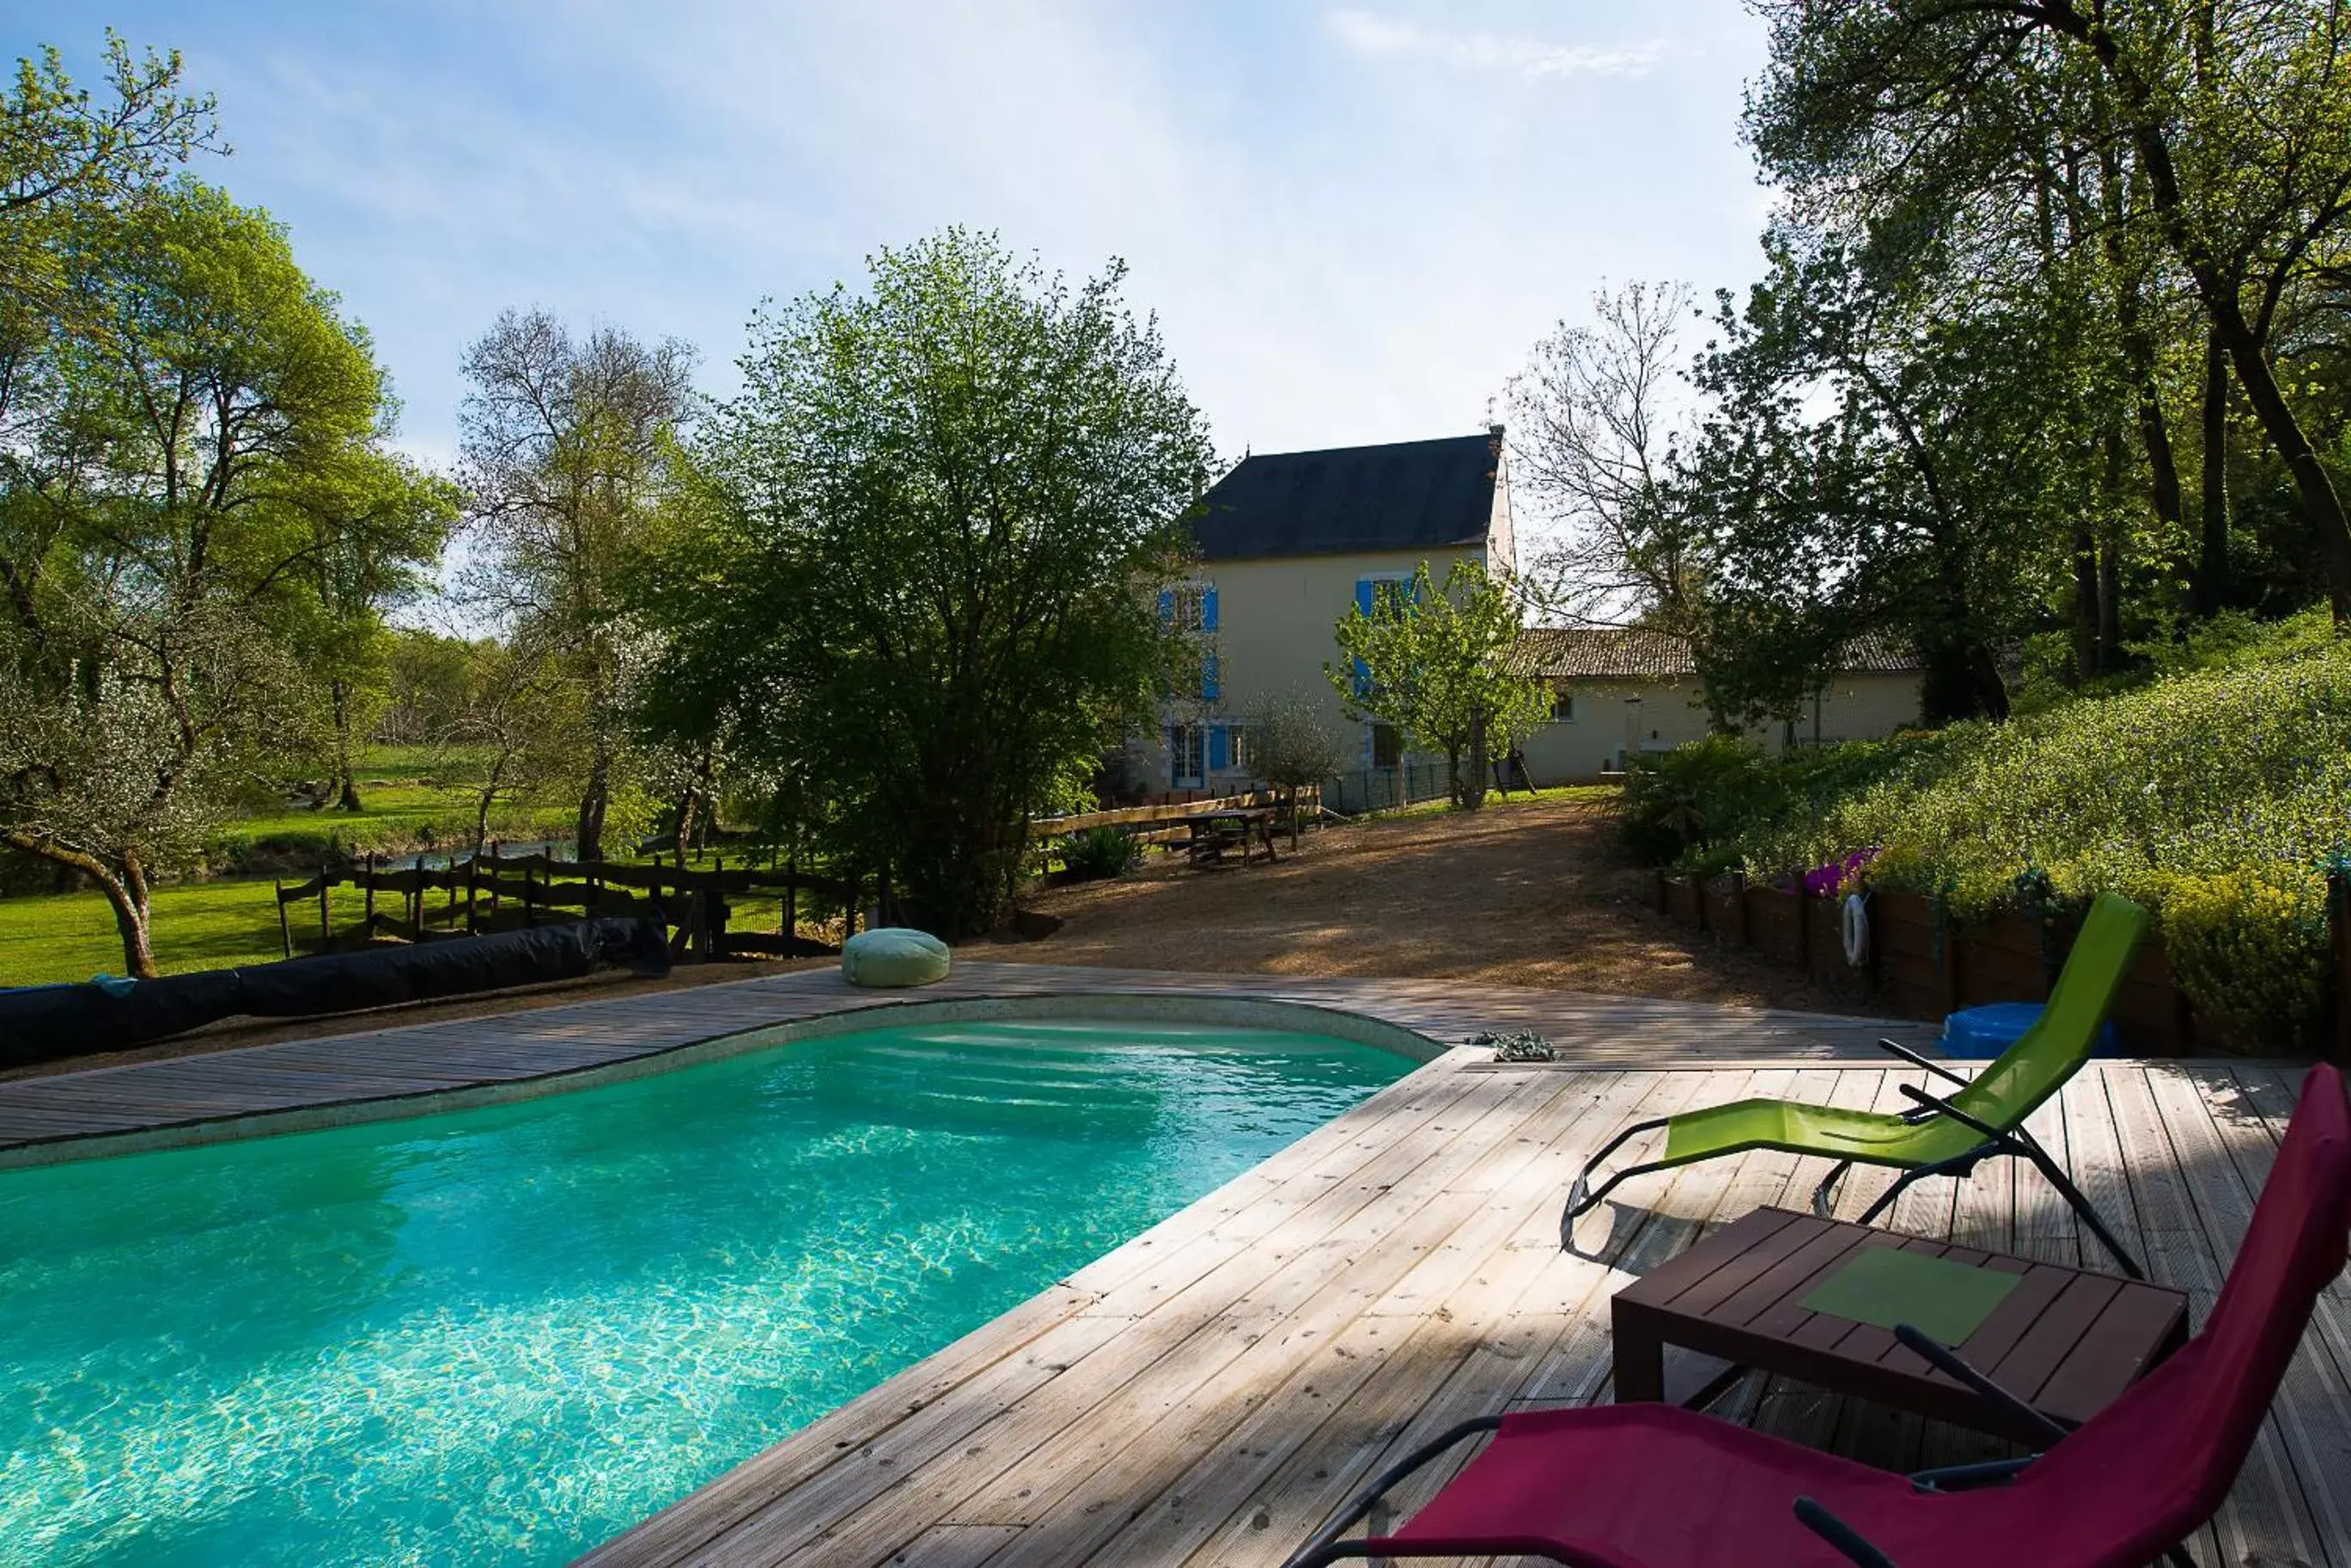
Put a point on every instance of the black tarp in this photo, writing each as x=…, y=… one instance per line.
x=46, y=1023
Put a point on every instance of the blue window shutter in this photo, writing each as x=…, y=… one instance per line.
x=1220, y=753
x=1364, y=594
x=1211, y=679
x=1167, y=609
x=1208, y=607
x=1362, y=680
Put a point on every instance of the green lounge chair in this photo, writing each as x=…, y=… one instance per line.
x=1983, y=1117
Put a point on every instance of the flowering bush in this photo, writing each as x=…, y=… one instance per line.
x=1838, y=876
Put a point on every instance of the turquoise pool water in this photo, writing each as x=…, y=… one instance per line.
x=501, y=1335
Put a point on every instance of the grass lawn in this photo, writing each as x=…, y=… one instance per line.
x=1556, y=794
x=209, y=925
x=411, y=795
x=198, y=925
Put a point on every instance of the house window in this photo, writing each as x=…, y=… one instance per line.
x=1387, y=746
x=1563, y=707
x=1189, y=606
x=1187, y=746
x=1388, y=598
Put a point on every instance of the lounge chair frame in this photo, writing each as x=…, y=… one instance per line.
x=2013, y=1142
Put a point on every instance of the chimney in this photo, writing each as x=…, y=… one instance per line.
x=1494, y=439
x=1199, y=480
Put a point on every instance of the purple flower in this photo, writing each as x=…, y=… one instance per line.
x=1838, y=876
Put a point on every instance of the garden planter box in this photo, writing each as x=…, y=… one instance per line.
x=1824, y=950
x=1775, y=924
x=2004, y=960
x=1902, y=935
x=1684, y=903
x=1726, y=907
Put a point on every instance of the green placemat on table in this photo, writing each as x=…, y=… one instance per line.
x=1885, y=1285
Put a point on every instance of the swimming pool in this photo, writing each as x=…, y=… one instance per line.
x=503, y=1334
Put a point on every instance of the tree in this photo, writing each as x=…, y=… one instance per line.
x=566, y=448
x=1597, y=438
x=58, y=147
x=1438, y=665
x=2232, y=114
x=516, y=723
x=955, y=497
x=153, y=552
x=1898, y=448
x=378, y=522
x=1292, y=746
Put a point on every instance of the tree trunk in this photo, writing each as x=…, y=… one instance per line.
x=2210, y=587
x=126, y=894
x=1474, y=787
x=589, y=836
x=2319, y=501
x=349, y=800
x=2086, y=602
x=2110, y=552
x=2162, y=462
x=133, y=921
x=2216, y=288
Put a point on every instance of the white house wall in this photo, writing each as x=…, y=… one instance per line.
x=1277, y=620
x=1612, y=716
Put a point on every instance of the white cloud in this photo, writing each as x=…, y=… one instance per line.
x=1370, y=34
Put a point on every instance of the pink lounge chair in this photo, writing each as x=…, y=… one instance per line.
x=1653, y=1486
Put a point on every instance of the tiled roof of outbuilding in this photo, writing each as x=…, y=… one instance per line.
x=1636, y=653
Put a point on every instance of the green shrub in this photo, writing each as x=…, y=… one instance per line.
x=1103, y=851
x=1706, y=807
x=2250, y=947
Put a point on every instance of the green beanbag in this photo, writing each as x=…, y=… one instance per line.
x=893, y=955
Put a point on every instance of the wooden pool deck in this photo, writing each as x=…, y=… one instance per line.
x=44, y=1116
x=1208, y=1393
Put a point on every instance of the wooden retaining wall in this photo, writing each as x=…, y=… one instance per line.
x=1920, y=965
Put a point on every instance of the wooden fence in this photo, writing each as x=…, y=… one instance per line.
x=482, y=894
x=1921, y=965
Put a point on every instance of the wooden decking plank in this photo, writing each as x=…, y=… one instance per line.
x=1311, y=1457
x=842, y=1519
x=2266, y=1515
x=1334, y=1276
x=2313, y=1411
x=1342, y=1177
x=1485, y=1213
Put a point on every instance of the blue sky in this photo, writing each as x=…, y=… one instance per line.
x=1352, y=220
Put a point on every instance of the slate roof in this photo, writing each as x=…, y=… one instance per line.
x=1634, y=653
x=1403, y=496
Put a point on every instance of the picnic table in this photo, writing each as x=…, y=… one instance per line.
x=1247, y=830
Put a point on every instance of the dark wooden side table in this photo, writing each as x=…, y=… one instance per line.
x=2066, y=1341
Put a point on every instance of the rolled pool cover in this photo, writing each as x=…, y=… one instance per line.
x=50, y=1023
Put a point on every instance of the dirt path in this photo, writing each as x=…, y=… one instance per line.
x=1537, y=893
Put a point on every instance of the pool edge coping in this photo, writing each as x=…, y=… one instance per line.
x=853, y=1014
